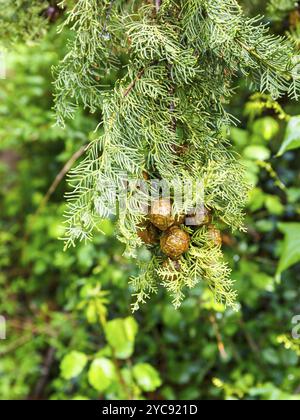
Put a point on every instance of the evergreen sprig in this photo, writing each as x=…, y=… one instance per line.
x=164, y=119
x=183, y=58
x=22, y=20
x=90, y=57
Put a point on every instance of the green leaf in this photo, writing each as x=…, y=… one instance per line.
x=256, y=199
x=266, y=127
x=263, y=282
x=291, y=247
x=171, y=316
x=120, y=333
x=73, y=364
x=274, y=205
x=292, y=136
x=147, y=377
x=240, y=137
x=293, y=195
x=257, y=152
x=101, y=374
x=265, y=225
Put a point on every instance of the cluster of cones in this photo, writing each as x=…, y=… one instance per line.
x=170, y=232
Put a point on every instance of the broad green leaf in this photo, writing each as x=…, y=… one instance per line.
x=91, y=312
x=265, y=225
x=263, y=281
x=274, y=205
x=252, y=171
x=266, y=127
x=271, y=356
x=146, y=377
x=292, y=136
x=171, y=316
x=257, y=152
x=101, y=374
x=291, y=247
x=256, y=199
x=120, y=333
x=239, y=136
x=73, y=364
x=293, y=195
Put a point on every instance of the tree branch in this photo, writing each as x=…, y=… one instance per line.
x=60, y=176
x=220, y=343
x=133, y=83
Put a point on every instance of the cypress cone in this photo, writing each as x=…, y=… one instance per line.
x=161, y=214
x=148, y=234
x=175, y=242
x=200, y=218
x=215, y=235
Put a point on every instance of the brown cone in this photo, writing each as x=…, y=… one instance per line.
x=215, y=235
x=200, y=218
x=148, y=234
x=175, y=242
x=161, y=214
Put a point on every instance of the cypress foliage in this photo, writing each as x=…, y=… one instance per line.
x=22, y=20
x=166, y=119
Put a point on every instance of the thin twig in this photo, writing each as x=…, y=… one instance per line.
x=220, y=343
x=61, y=176
x=133, y=83
x=126, y=388
x=16, y=344
x=48, y=362
x=55, y=184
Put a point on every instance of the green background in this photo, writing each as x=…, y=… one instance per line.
x=70, y=331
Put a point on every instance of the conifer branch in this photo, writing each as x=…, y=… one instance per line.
x=60, y=176
x=166, y=117
x=133, y=83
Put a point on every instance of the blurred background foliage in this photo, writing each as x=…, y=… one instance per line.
x=70, y=333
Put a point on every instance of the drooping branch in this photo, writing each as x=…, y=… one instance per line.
x=166, y=117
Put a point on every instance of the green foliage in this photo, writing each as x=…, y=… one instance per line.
x=83, y=72
x=54, y=302
x=120, y=334
x=279, y=9
x=105, y=375
x=101, y=374
x=73, y=364
x=22, y=20
x=147, y=377
x=292, y=136
x=290, y=254
x=166, y=101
